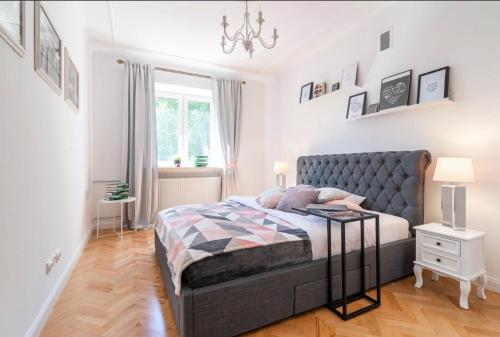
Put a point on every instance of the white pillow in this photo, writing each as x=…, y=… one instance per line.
x=271, y=197
x=355, y=199
x=329, y=193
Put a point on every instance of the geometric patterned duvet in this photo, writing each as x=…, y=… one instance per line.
x=193, y=232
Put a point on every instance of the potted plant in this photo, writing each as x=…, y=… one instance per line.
x=177, y=161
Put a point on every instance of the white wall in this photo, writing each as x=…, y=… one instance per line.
x=428, y=35
x=107, y=105
x=44, y=175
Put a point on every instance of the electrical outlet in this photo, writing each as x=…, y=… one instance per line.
x=58, y=254
x=52, y=261
x=49, y=264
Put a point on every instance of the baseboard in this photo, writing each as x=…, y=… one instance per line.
x=43, y=315
x=493, y=284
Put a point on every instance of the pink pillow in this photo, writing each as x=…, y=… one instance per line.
x=348, y=204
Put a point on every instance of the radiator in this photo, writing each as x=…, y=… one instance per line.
x=184, y=191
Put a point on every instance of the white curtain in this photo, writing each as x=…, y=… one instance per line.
x=139, y=161
x=227, y=100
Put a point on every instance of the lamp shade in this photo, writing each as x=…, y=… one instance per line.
x=456, y=170
x=280, y=167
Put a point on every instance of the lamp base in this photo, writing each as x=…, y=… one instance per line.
x=453, y=206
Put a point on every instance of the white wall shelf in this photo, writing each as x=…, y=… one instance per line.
x=426, y=105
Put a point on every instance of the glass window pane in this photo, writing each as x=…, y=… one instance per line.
x=198, y=129
x=166, y=127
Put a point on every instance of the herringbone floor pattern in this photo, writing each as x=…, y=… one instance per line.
x=116, y=290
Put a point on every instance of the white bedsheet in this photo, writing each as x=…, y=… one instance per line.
x=392, y=228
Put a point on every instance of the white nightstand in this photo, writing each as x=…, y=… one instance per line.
x=456, y=254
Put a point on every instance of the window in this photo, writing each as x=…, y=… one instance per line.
x=185, y=124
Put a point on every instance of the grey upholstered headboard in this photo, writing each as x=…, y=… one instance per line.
x=392, y=182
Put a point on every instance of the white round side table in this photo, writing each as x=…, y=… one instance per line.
x=122, y=202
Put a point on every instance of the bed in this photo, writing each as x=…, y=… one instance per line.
x=241, y=290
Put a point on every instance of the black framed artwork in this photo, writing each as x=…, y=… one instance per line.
x=433, y=85
x=335, y=86
x=306, y=92
x=395, y=90
x=356, y=106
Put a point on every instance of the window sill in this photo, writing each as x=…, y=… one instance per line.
x=189, y=172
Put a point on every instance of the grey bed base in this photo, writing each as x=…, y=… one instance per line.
x=234, y=307
x=392, y=182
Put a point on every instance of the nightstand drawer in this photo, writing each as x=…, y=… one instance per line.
x=445, y=262
x=441, y=244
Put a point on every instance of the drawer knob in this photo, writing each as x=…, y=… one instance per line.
x=438, y=259
x=438, y=243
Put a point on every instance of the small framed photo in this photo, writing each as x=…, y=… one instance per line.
x=48, y=49
x=335, y=86
x=306, y=92
x=395, y=90
x=71, y=82
x=433, y=85
x=349, y=75
x=372, y=108
x=319, y=89
x=13, y=25
x=356, y=106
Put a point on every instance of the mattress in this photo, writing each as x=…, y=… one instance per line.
x=246, y=262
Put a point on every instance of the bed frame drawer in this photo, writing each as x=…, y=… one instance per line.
x=445, y=262
x=441, y=244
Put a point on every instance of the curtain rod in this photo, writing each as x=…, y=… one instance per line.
x=178, y=72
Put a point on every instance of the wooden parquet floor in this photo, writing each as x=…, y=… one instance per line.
x=116, y=290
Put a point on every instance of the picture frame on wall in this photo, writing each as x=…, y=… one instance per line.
x=395, y=90
x=306, y=92
x=319, y=89
x=71, y=82
x=48, y=49
x=335, y=86
x=433, y=85
x=349, y=75
x=13, y=25
x=356, y=105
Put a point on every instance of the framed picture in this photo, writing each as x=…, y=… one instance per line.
x=13, y=25
x=48, y=49
x=319, y=89
x=395, y=90
x=71, y=82
x=356, y=106
x=433, y=85
x=349, y=75
x=372, y=108
x=306, y=92
x=335, y=86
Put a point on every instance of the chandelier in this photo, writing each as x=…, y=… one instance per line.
x=246, y=34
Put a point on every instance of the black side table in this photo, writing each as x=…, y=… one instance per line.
x=345, y=300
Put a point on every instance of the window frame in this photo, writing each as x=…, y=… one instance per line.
x=182, y=124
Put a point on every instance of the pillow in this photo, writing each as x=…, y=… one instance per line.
x=329, y=193
x=270, y=198
x=355, y=199
x=348, y=204
x=297, y=197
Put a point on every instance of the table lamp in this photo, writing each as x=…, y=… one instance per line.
x=280, y=169
x=454, y=171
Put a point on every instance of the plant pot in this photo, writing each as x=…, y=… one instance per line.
x=177, y=163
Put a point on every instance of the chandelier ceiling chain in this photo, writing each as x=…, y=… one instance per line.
x=246, y=34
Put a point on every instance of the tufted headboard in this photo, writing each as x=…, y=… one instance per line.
x=392, y=182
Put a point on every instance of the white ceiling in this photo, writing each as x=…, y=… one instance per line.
x=191, y=29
